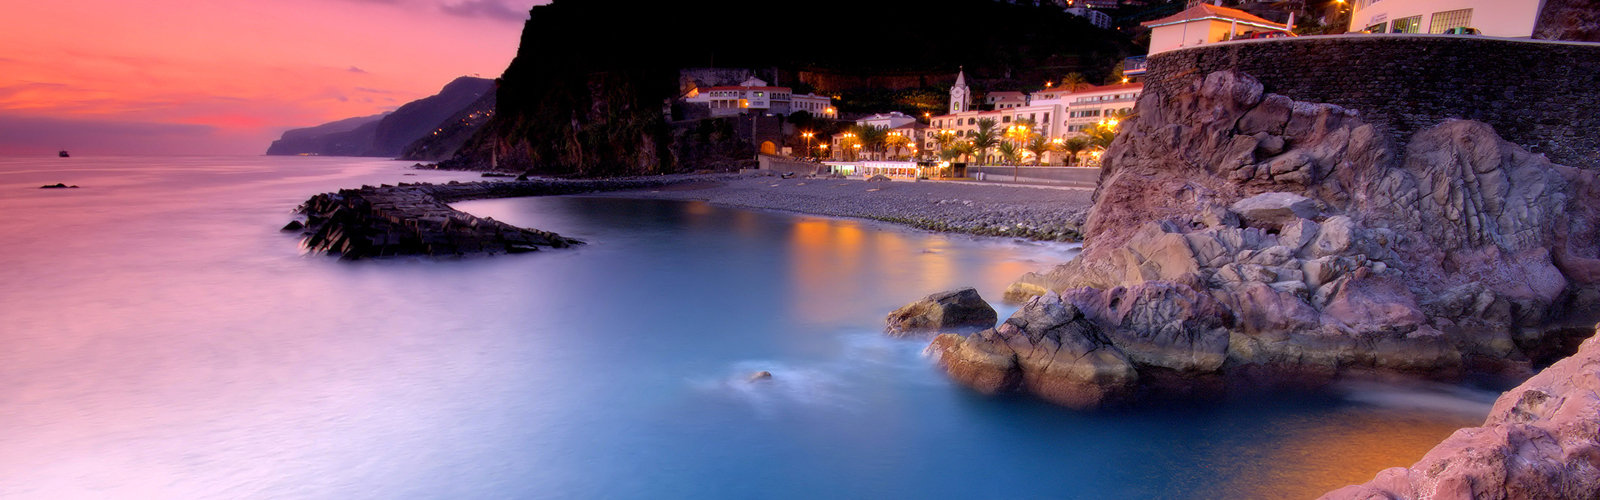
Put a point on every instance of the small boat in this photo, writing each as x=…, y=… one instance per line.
x=64, y=154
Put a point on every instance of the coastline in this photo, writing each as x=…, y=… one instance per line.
x=1042, y=213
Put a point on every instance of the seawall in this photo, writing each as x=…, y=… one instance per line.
x=1541, y=95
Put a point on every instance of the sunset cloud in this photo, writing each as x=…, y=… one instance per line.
x=240, y=71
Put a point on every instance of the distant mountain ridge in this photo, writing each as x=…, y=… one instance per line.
x=388, y=134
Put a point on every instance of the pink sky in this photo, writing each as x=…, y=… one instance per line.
x=175, y=77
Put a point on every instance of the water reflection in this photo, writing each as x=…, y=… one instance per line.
x=162, y=339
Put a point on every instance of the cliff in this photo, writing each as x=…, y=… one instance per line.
x=387, y=134
x=347, y=137
x=446, y=138
x=586, y=92
x=1242, y=238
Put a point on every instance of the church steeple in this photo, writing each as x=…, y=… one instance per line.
x=960, y=95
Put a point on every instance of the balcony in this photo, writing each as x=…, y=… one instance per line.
x=1133, y=66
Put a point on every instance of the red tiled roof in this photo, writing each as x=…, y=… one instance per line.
x=1105, y=88
x=775, y=89
x=1207, y=10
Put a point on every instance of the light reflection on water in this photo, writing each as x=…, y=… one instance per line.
x=161, y=339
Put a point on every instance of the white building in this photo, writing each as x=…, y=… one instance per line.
x=1056, y=114
x=1206, y=23
x=754, y=95
x=894, y=123
x=1504, y=18
x=1099, y=19
x=1005, y=99
x=960, y=94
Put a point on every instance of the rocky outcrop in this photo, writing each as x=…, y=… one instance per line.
x=1312, y=247
x=416, y=219
x=1540, y=442
x=951, y=311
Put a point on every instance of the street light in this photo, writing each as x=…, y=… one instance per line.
x=807, y=135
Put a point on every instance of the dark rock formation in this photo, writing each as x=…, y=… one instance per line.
x=422, y=117
x=1464, y=253
x=58, y=185
x=347, y=137
x=1540, y=442
x=950, y=311
x=1572, y=20
x=573, y=102
x=449, y=135
x=387, y=134
x=415, y=219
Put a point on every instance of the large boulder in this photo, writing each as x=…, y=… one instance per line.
x=1246, y=233
x=1049, y=348
x=1540, y=442
x=955, y=310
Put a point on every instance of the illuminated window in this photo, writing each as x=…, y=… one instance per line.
x=1411, y=24
x=1442, y=21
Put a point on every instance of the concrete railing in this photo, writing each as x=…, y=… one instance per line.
x=1065, y=176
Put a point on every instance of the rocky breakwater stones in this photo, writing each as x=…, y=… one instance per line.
x=389, y=221
x=1048, y=349
x=1311, y=248
x=951, y=311
x=1540, y=442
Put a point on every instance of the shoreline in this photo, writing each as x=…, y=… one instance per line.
x=1037, y=213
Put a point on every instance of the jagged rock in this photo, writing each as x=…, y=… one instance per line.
x=293, y=225
x=1274, y=210
x=879, y=178
x=955, y=310
x=1049, y=349
x=1541, y=441
x=759, y=376
x=1019, y=292
x=1352, y=255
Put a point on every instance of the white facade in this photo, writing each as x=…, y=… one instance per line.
x=1055, y=114
x=890, y=120
x=1099, y=19
x=1203, y=24
x=754, y=95
x=960, y=94
x=1089, y=107
x=1503, y=18
x=1005, y=100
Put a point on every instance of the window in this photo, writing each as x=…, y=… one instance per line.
x=1047, y=117
x=972, y=121
x=1411, y=24
x=1005, y=119
x=1442, y=21
x=759, y=94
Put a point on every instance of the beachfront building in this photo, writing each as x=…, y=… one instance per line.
x=1090, y=106
x=754, y=96
x=1206, y=23
x=1098, y=19
x=1504, y=18
x=1005, y=100
x=1056, y=114
x=842, y=146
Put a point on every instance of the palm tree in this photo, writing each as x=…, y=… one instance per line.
x=1073, y=147
x=1038, y=145
x=1010, y=154
x=985, y=138
x=1101, y=134
x=1074, y=82
x=871, y=137
x=896, y=142
x=962, y=149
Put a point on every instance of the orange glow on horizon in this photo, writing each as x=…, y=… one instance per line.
x=244, y=70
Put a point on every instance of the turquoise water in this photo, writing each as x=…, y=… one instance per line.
x=159, y=338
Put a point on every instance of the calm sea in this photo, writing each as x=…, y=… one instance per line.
x=161, y=339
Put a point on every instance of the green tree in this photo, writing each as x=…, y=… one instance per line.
x=1009, y=153
x=871, y=138
x=1101, y=134
x=1074, y=82
x=985, y=138
x=1073, y=147
x=896, y=142
x=1038, y=145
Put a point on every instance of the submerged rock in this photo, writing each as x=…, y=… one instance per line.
x=954, y=310
x=759, y=376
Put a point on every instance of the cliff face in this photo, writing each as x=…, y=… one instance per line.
x=1571, y=20
x=586, y=92
x=1243, y=237
x=387, y=134
x=419, y=118
x=347, y=137
x=444, y=140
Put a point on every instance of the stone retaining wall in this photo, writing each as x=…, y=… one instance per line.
x=1544, y=96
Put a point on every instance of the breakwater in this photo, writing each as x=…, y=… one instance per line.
x=416, y=219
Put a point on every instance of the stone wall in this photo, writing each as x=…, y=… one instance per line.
x=1543, y=96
